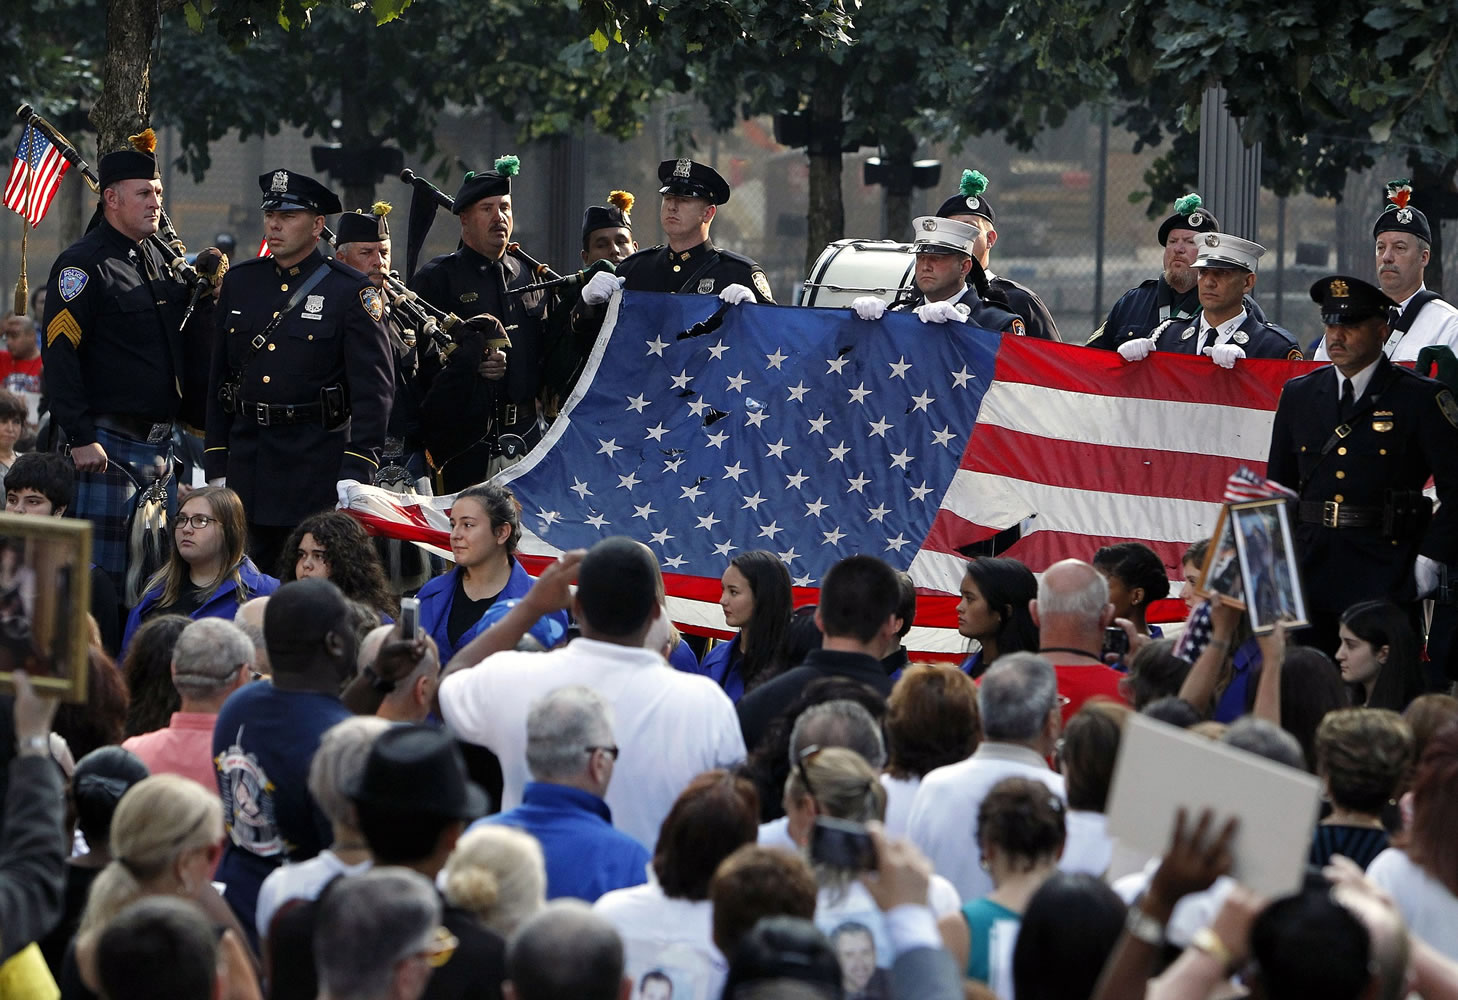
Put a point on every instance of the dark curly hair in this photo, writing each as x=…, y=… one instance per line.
x=354, y=565
x=147, y=668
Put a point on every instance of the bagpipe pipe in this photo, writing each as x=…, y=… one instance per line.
x=211, y=266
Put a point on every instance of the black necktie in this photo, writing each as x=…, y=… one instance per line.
x=1348, y=399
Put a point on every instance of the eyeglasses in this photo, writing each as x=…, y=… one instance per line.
x=439, y=949
x=610, y=751
x=196, y=520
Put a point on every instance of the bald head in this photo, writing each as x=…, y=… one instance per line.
x=1072, y=606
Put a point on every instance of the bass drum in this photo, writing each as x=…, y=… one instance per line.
x=848, y=269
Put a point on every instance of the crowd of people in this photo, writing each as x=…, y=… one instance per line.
x=288, y=782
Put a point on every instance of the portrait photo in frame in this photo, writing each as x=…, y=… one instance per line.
x=1269, y=572
x=45, y=597
x=1220, y=577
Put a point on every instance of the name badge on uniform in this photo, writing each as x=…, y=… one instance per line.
x=1240, y=336
x=1189, y=332
x=1381, y=425
x=469, y=297
x=313, y=307
x=706, y=286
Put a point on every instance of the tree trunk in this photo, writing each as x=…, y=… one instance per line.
x=827, y=209
x=125, y=103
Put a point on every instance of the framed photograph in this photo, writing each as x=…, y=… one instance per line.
x=1220, y=576
x=45, y=597
x=1268, y=569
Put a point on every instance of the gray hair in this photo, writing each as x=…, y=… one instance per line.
x=1265, y=739
x=839, y=723
x=1084, y=602
x=366, y=924
x=338, y=764
x=1016, y=695
x=561, y=726
x=566, y=951
x=208, y=655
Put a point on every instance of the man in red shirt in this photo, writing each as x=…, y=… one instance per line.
x=20, y=362
x=1072, y=610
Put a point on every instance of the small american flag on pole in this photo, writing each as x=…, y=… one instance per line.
x=35, y=176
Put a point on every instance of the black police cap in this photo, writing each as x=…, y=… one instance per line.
x=1399, y=216
x=1345, y=300
x=285, y=191
x=1189, y=213
x=486, y=183
x=692, y=179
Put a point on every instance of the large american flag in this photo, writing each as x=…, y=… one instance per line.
x=817, y=435
x=35, y=176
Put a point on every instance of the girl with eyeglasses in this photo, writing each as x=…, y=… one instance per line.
x=207, y=574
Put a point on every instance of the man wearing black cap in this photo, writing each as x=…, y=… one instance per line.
x=1173, y=294
x=1225, y=331
x=362, y=240
x=301, y=381
x=498, y=375
x=689, y=264
x=1358, y=440
x=1404, y=244
x=951, y=285
x=113, y=349
x=970, y=205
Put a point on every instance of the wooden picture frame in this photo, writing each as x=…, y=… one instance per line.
x=45, y=599
x=1220, y=576
x=1269, y=571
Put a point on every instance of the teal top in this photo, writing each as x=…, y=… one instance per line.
x=981, y=916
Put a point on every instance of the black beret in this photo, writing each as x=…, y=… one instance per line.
x=1190, y=214
x=1345, y=300
x=1399, y=217
x=363, y=227
x=614, y=215
x=969, y=199
x=289, y=192
x=486, y=183
x=692, y=179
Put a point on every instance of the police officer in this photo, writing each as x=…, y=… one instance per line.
x=113, y=349
x=950, y=284
x=1404, y=242
x=496, y=379
x=970, y=205
x=1172, y=295
x=1357, y=440
x=301, y=381
x=689, y=264
x=1224, y=330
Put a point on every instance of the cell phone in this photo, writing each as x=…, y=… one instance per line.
x=409, y=618
x=842, y=844
x=1116, y=641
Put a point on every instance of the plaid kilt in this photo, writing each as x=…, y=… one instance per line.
x=106, y=499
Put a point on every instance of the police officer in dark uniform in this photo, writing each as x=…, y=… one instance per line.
x=970, y=205
x=1358, y=440
x=1173, y=295
x=113, y=349
x=689, y=264
x=301, y=381
x=1224, y=330
x=496, y=379
x=950, y=285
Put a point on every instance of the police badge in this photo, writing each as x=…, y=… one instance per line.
x=1212, y=240
x=280, y=183
x=761, y=285
x=930, y=225
x=313, y=307
x=706, y=286
x=70, y=282
x=373, y=304
x=682, y=168
x=1404, y=215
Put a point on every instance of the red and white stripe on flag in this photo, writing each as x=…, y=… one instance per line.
x=35, y=176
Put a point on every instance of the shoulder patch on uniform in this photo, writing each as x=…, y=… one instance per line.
x=761, y=285
x=1449, y=407
x=70, y=282
x=63, y=324
x=1018, y=328
x=1295, y=355
x=372, y=302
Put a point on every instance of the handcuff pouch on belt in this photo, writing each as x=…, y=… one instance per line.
x=1405, y=514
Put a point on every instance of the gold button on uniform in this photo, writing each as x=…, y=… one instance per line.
x=265, y=380
x=1341, y=474
x=271, y=347
x=284, y=287
x=311, y=336
x=676, y=268
x=1339, y=498
x=1381, y=451
x=1342, y=450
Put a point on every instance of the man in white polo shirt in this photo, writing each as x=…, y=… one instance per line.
x=670, y=726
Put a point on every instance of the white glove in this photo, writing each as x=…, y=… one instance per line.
x=869, y=307
x=600, y=287
x=1425, y=575
x=735, y=294
x=939, y=312
x=1225, y=355
x=218, y=481
x=1137, y=349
